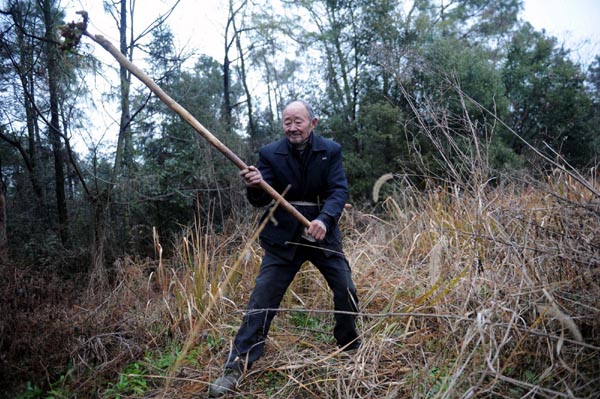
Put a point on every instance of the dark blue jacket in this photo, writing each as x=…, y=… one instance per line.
x=317, y=178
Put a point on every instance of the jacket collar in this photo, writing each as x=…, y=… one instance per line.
x=316, y=144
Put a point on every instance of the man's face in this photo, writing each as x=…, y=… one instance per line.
x=297, y=124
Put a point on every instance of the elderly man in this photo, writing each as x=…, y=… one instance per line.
x=312, y=166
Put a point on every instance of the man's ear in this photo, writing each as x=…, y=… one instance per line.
x=314, y=123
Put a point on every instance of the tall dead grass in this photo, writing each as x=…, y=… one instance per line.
x=463, y=294
x=487, y=293
x=507, y=302
x=466, y=290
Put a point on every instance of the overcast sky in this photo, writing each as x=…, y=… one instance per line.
x=199, y=23
x=576, y=23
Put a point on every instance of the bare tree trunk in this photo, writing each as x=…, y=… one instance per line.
x=102, y=197
x=230, y=26
x=54, y=135
x=98, y=277
x=227, y=109
x=123, y=159
x=24, y=67
x=3, y=236
x=244, y=79
x=125, y=145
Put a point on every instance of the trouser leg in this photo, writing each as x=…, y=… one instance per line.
x=336, y=271
x=273, y=279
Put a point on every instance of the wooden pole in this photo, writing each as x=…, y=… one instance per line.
x=198, y=127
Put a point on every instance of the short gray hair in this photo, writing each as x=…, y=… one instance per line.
x=311, y=112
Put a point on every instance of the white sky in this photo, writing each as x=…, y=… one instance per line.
x=576, y=23
x=196, y=24
x=199, y=24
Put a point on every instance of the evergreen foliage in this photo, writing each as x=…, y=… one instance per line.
x=375, y=71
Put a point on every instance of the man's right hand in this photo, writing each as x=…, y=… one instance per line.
x=251, y=176
x=317, y=230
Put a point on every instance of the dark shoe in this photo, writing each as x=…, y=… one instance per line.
x=352, y=347
x=224, y=384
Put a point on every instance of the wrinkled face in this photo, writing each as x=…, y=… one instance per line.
x=297, y=124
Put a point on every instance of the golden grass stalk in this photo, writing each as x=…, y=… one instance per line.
x=379, y=183
x=551, y=311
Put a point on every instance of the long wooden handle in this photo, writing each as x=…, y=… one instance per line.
x=164, y=97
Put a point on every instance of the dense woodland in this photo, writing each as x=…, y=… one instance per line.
x=444, y=97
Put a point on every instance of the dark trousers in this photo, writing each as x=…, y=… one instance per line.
x=274, y=278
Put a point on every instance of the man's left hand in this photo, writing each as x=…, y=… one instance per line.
x=317, y=230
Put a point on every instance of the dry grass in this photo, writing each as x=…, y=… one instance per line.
x=463, y=294
x=487, y=293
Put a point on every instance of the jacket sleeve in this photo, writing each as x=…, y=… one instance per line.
x=256, y=195
x=337, y=189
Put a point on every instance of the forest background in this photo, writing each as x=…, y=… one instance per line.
x=468, y=137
